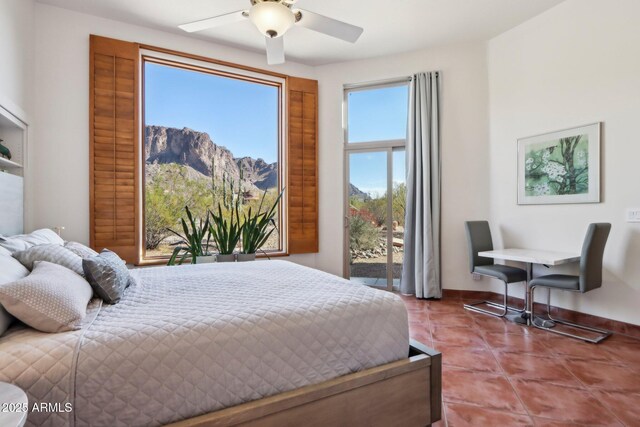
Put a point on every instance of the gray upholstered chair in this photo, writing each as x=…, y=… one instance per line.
x=479, y=239
x=590, y=278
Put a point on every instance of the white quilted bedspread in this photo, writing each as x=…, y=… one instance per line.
x=43, y=365
x=194, y=339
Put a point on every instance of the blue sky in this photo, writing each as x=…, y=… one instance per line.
x=377, y=115
x=243, y=117
x=240, y=115
x=368, y=170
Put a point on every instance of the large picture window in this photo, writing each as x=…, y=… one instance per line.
x=209, y=136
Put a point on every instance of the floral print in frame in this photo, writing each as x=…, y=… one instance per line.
x=560, y=167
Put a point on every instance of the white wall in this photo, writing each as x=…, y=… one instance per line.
x=575, y=64
x=61, y=161
x=464, y=147
x=17, y=73
x=16, y=51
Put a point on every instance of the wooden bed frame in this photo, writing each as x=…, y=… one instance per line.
x=404, y=393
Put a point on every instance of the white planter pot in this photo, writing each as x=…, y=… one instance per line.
x=205, y=259
x=246, y=257
x=226, y=257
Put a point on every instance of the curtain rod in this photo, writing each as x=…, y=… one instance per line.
x=397, y=80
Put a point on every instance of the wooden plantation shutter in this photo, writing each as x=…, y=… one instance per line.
x=113, y=147
x=302, y=165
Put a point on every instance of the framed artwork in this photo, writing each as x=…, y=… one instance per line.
x=560, y=167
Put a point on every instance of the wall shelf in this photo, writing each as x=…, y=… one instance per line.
x=13, y=132
x=9, y=164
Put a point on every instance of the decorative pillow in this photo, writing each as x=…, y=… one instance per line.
x=5, y=320
x=81, y=250
x=108, y=275
x=10, y=271
x=51, y=253
x=51, y=299
x=25, y=241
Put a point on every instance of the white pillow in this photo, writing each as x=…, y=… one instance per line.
x=50, y=299
x=10, y=271
x=23, y=242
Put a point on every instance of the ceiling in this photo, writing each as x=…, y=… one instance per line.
x=390, y=26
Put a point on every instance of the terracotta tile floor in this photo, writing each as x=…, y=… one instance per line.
x=497, y=373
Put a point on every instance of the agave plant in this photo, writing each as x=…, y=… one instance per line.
x=225, y=233
x=194, y=233
x=255, y=230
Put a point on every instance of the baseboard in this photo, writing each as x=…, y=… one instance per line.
x=561, y=313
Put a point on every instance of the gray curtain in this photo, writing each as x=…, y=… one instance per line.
x=421, y=267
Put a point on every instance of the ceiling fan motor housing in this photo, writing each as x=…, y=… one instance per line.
x=273, y=18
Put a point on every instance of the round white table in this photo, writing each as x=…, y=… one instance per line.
x=14, y=405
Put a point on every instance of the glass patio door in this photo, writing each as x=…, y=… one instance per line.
x=375, y=207
x=375, y=133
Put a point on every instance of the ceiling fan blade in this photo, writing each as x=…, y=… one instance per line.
x=275, y=50
x=329, y=26
x=216, y=21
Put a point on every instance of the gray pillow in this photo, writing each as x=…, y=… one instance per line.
x=79, y=249
x=53, y=253
x=108, y=275
x=50, y=299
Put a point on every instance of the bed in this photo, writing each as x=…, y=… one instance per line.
x=259, y=343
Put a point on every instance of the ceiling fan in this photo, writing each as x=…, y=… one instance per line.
x=274, y=18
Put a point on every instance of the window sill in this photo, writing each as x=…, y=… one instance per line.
x=149, y=262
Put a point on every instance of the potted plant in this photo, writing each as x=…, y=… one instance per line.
x=255, y=229
x=225, y=233
x=191, y=246
x=4, y=151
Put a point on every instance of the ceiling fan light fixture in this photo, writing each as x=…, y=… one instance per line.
x=272, y=18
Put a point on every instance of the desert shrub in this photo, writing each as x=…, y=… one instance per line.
x=378, y=208
x=171, y=187
x=167, y=191
x=356, y=202
x=365, y=214
x=157, y=217
x=399, y=202
x=363, y=235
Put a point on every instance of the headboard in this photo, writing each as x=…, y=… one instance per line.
x=11, y=204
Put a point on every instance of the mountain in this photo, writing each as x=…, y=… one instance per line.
x=262, y=174
x=196, y=151
x=357, y=193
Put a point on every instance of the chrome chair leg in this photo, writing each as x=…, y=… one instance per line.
x=474, y=306
x=541, y=323
x=504, y=307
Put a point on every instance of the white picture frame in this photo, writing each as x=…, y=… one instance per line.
x=560, y=167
